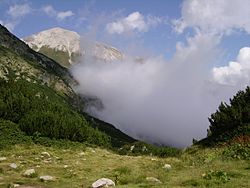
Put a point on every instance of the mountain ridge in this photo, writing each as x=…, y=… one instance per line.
x=20, y=64
x=69, y=45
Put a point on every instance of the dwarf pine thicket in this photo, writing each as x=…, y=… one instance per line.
x=231, y=120
x=37, y=110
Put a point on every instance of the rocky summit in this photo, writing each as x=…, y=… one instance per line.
x=67, y=47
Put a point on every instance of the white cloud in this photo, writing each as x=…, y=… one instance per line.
x=49, y=10
x=236, y=72
x=10, y=25
x=214, y=16
x=17, y=11
x=157, y=100
x=63, y=15
x=60, y=15
x=133, y=22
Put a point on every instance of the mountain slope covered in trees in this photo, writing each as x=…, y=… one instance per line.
x=37, y=95
x=37, y=100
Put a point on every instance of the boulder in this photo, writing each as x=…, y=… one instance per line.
x=103, y=182
x=65, y=166
x=81, y=153
x=153, y=179
x=13, y=165
x=167, y=167
x=46, y=178
x=3, y=159
x=30, y=186
x=132, y=148
x=29, y=173
x=45, y=154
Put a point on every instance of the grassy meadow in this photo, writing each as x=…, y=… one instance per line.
x=80, y=166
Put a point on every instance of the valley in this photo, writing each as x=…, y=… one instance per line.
x=48, y=138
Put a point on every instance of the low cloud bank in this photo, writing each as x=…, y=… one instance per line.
x=159, y=101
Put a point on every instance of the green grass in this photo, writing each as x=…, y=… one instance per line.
x=196, y=168
x=59, y=56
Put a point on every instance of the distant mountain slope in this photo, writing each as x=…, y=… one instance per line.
x=36, y=93
x=10, y=41
x=64, y=46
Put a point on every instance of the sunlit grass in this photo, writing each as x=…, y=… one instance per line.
x=81, y=166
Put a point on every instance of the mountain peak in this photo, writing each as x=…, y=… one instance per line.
x=55, y=41
x=60, y=31
x=56, y=38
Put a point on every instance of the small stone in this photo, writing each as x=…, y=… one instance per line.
x=144, y=148
x=82, y=154
x=103, y=182
x=46, y=178
x=3, y=159
x=13, y=165
x=45, y=154
x=65, y=166
x=29, y=173
x=153, y=179
x=16, y=185
x=30, y=186
x=132, y=148
x=167, y=166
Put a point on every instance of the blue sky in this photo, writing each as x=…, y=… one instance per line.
x=25, y=17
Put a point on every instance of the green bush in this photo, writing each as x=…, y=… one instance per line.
x=230, y=120
x=141, y=148
x=237, y=151
x=38, y=109
x=219, y=175
x=10, y=134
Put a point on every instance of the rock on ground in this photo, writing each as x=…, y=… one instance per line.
x=82, y=154
x=46, y=178
x=103, y=182
x=30, y=186
x=167, y=166
x=3, y=158
x=153, y=179
x=13, y=165
x=45, y=154
x=29, y=173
